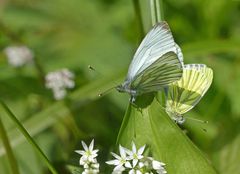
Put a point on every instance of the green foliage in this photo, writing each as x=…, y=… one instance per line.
x=76, y=33
x=149, y=124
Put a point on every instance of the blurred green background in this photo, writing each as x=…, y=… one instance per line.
x=104, y=33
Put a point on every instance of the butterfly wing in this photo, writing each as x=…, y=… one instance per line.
x=157, y=42
x=184, y=94
x=162, y=72
x=179, y=53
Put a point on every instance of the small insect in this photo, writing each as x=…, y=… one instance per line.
x=157, y=63
x=184, y=94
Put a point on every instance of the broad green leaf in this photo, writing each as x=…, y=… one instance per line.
x=149, y=124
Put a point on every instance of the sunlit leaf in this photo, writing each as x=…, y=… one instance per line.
x=166, y=141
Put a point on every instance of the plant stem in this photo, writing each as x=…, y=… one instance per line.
x=28, y=137
x=139, y=18
x=156, y=7
x=39, y=69
x=10, y=155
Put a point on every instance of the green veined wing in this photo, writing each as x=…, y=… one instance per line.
x=161, y=73
x=184, y=94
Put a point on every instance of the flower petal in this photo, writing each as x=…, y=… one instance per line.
x=128, y=165
x=135, y=161
x=84, y=146
x=113, y=162
x=122, y=152
x=81, y=152
x=141, y=150
x=91, y=145
x=116, y=156
x=134, y=149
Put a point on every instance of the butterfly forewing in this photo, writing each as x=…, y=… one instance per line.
x=179, y=53
x=156, y=43
x=184, y=94
x=162, y=72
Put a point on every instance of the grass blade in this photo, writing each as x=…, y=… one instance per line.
x=28, y=137
x=10, y=155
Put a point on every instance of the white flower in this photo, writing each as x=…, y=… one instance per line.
x=88, y=154
x=119, y=170
x=134, y=169
x=18, y=55
x=90, y=171
x=58, y=81
x=134, y=162
x=159, y=167
x=135, y=154
x=156, y=165
x=88, y=159
x=121, y=161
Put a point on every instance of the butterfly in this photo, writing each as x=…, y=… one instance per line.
x=157, y=63
x=184, y=94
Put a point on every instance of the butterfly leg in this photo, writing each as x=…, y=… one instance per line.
x=132, y=101
x=180, y=120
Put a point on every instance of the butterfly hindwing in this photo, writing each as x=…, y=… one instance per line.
x=161, y=73
x=184, y=94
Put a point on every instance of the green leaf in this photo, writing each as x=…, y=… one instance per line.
x=149, y=124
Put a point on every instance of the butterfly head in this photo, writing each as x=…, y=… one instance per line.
x=178, y=119
x=125, y=87
x=175, y=116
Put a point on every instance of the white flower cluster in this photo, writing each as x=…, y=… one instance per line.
x=134, y=162
x=58, y=81
x=18, y=55
x=88, y=159
x=130, y=161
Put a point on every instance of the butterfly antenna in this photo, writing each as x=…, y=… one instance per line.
x=194, y=119
x=106, y=92
x=91, y=68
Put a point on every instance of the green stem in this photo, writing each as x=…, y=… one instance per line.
x=10, y=155
x=160, y=10
x=40, y=70
x=139, y=19
x=28, y=137
x=156, y=7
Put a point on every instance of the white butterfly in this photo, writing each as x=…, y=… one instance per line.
x=157, y=62
x=185, y=93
